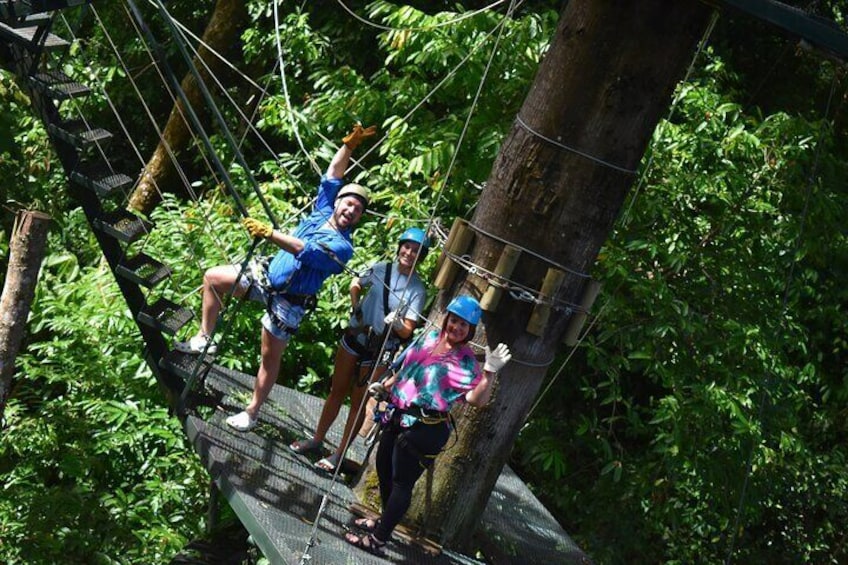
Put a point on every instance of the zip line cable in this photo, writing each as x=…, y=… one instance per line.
x=784, y=308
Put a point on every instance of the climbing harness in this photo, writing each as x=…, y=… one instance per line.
x=259, y=278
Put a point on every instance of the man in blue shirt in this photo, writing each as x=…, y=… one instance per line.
x=317, y=248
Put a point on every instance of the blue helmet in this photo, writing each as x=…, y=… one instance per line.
x=466, y=308
x=418, y=236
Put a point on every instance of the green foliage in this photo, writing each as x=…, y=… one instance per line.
x=722, y=338
x=93, y=464
x=28, y=166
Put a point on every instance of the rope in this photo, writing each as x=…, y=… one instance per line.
x=282, y=66
x=583, y=154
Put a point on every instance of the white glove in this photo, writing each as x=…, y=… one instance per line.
x=495, y=360
x=378, y=391
x=394, y=320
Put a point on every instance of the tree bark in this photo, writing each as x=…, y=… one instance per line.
x=27, y=248
x=227, y=20
x=600, y=90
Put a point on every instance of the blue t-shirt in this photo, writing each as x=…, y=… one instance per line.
x=306, y=272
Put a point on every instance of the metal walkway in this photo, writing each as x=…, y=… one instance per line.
x=276, y=493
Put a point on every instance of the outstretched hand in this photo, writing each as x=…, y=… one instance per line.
x=355, y=137
x=256, y=228
x=497, y=358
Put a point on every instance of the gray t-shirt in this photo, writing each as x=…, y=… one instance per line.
x=406, y=294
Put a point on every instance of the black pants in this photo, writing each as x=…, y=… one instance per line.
x=399, y=466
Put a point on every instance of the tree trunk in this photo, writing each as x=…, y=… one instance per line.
x=600, y=90
x=28, y=242
x=223, y=29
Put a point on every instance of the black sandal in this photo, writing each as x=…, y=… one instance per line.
x=368, y=543
x=367, y=525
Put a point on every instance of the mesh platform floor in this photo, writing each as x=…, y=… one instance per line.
x=276, y=494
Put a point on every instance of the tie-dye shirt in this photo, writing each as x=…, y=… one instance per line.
x=434, y=382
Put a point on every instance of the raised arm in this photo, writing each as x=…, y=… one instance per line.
x=495, y=360
x=338, y=165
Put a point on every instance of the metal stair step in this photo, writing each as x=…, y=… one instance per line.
x=185, y=365
x=123, y=225
x=102, y=182
x=165, y=316
x=28, y=21
x=58, y=85
x=32, y=38
x=10, y=9
x=77, y=134
x=143, y=270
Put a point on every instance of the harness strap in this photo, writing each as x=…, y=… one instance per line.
x=387, y=284
x=423, y=415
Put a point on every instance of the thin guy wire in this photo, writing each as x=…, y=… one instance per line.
x=583, y=154
x=465, y=16
x=547, y=260
x=784, y=307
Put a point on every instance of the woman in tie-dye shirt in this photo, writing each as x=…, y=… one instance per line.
x=436, y=373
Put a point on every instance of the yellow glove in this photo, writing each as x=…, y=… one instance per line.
x=256, y=228
x=354, y=138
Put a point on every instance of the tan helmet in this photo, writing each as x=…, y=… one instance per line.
x=357, y=190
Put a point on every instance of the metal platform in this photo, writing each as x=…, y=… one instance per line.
x=276, y=494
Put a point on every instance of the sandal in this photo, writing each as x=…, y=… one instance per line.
x=368, y=542
x=366, y=524
x=328, y=464
x=304, y=446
